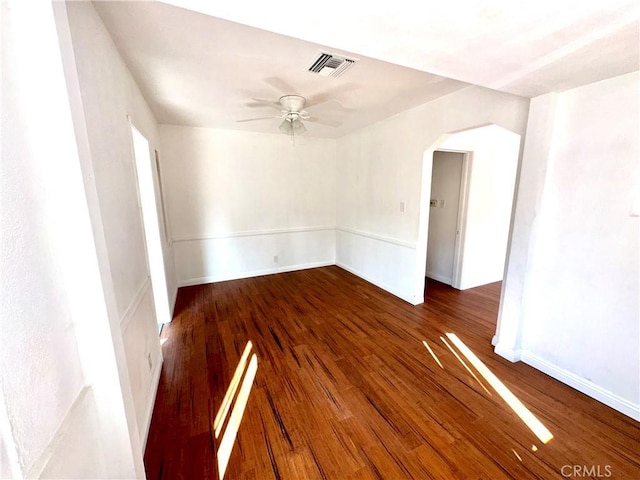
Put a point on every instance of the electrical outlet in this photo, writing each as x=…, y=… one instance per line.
x=402, y=207
x=441, y=203
x=275, y=259
x=433, y=203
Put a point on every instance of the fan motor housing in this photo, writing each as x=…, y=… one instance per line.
x=292, y=103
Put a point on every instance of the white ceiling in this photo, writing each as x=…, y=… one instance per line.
x=201, y=63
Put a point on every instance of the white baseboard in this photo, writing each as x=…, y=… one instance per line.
x=249, y=274
x=508, y=353
x=406, y=298
x=582, y=385
x=155, y=381
x=439, y=278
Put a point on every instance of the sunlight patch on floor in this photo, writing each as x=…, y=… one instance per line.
x=444, y=340
x=230, y=433
x=239, y=401
x=516, y=405
x=231, y=391
x=424, y=342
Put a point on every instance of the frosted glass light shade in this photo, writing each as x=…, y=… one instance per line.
x=294, y=127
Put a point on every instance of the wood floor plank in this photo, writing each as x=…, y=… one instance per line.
x=346, y=389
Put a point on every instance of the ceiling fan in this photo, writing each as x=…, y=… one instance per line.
x=292, y=113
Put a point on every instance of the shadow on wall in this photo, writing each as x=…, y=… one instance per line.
x=486, y=203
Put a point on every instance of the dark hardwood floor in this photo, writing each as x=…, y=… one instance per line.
x=345, y=389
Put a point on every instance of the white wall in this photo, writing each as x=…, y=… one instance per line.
x=443, y=217
x=571, y=302
x=5, y=460
x=143, y=378
x=236, y=199
x=382, y=165
x=159, y=182
x=41, y=372
x=104, y=94
x=494, y=166
x=50, y=422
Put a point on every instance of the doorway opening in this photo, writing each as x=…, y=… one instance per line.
x=447, y=204
x=149, y=213
x=477, y=249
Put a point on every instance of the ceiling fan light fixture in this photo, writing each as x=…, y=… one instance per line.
x=298, y=127
x=286, y=128
x=292, y=127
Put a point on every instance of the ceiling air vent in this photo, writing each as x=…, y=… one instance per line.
x=329, y=65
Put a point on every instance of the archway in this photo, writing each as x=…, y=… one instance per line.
x=492, y=161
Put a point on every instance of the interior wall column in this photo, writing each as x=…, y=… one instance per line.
x=530, y=189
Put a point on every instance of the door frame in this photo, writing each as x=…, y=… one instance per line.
x=461, y=227
x=458, y=250
x=143, y=169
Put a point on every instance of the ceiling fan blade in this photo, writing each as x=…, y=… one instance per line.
x=259, y=102
x=254, y=119
x=331, y=95
x=327, y=105
x=280, y=85
x=328, y=123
